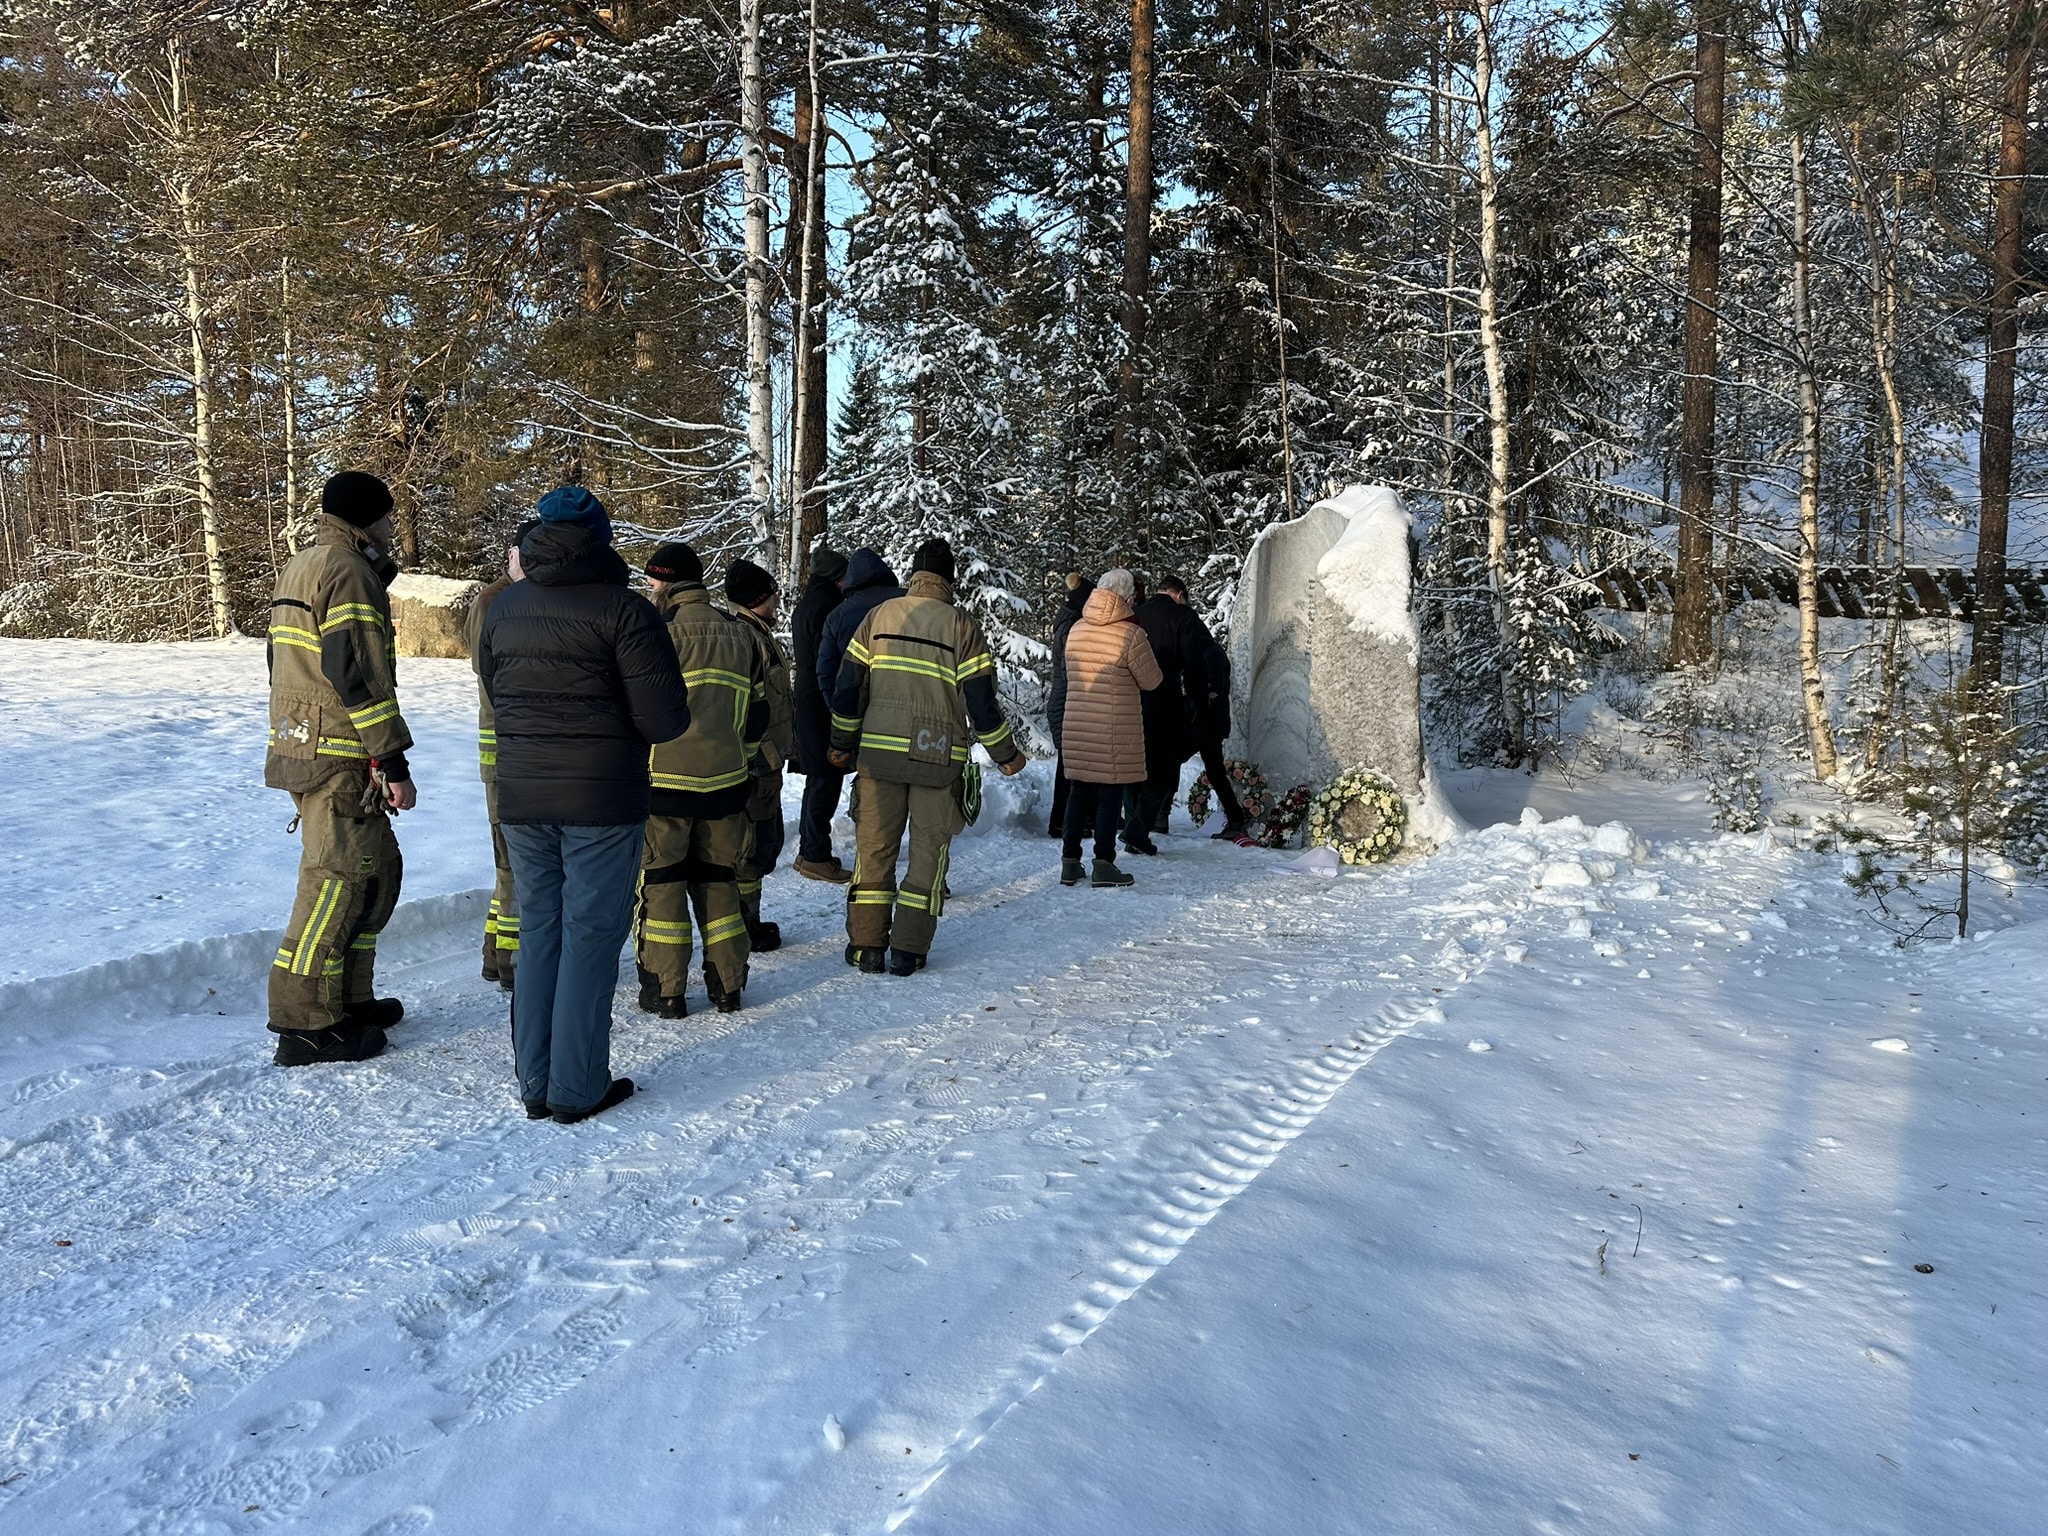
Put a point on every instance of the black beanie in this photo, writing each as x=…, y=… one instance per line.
x=827, y=564
x=936, y=556
x=355, y=497
x=675, y=562
x=747, y=584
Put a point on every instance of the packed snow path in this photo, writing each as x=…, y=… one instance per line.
x=1544, y=1184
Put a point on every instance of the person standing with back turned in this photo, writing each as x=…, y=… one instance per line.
x=338, y=745
x=755, y=600
x=822, y=782
x=501, y=923
x=583, y=682
x=917, y=677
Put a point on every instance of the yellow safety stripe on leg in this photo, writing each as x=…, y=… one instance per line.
x=655, y=931
x=331, y=966
x=324, y=906
x=917, y=901
x=363, y=941
x=721, y=929
x=487, y=749
x=284, y=959
x=508, y=922
x=750, y=887
x=507, y=945
x=939, y=884
x=869, y=898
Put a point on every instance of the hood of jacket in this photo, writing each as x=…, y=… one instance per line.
x=1077, y=597
x=866, y=568
x=929, y=584
x=570, y=555
x=1104, y=607
x=329, y=529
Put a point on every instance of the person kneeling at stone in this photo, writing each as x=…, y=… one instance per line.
x=583, y=681
x=698, y=837
x=1109, y=664
x=917, y=679
x=338, y=745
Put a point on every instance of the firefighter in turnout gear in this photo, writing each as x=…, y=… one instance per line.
x=501, y=923
x=698, y=832
x=338, y=744
x=754, y=598
x=916, y=680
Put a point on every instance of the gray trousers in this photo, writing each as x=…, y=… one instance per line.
x=576, y=889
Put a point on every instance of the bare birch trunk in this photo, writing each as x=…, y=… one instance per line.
x=760, y=380
x=205, y=473
x=1820, y=732
x=1497, y=457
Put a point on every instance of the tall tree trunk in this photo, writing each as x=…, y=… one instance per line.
x=1514, y=725
x=205, y=472
x=1820, y=731
x=294, y=490
x=760, y=378
x=1279, y=274
x=2001, y=356
x=807, y=518
x=1693, y=599
x=1137, y=233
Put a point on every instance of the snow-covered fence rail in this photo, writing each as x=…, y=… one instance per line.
x=1846, y=592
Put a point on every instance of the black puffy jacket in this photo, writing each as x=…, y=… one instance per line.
x=1181, y=642
x=869, y=584
x=583, y=680
x=813, y=713
x=1062, y=625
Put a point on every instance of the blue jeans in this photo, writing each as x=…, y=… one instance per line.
x=576, y=887
x=821, y=804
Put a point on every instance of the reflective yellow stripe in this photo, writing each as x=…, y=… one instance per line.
x=303, y=639
x=750, y=887
x=902, y=744
x=917, y=666
x=343, y=614
x=859, y=652
x=990, y=738
x=284, y=959
x=716, y=677
x=375, y=713
x=697, y=785
x=974, y=666
x=850, y=725
x=724, y=928
x=337, y=746
x=913, y=900
x=871, y=898
x=363, y=941
x=653, y=932
x=324, y=906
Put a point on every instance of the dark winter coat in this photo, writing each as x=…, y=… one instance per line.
x=869, y=584
x=583, y=680
x=1212, y=720
x=1062, y=626
x=1181, y=644
x=813, y=709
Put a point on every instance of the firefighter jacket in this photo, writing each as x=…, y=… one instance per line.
x=333, y=686
x=706, y=771
x=779, y=739
x=486, y=718
x=916, y=681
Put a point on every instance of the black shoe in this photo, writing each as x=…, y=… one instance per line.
x=490, y=973
x=650, y=990
x=724, y=1001
x=504, y=982
x=764, y=938
x=537, y=1109
x=620, y=1091
x=1141, y=845
x=871, y=961
x=903, y=963
x=1232, y=831
x=1071, y=872
x=377, y=1013
x=1107, y=875
x=344, y=1042
x=667, y=1007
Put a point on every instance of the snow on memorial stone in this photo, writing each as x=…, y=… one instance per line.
x=427, y=613
x=1325, y=653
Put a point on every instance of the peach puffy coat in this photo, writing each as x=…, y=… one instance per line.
x=1108, y=661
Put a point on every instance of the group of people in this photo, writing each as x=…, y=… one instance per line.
x=632, y=749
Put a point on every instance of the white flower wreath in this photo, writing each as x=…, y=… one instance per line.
x=1361, y=815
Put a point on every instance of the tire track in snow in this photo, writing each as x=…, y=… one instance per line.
x=1186, y=1190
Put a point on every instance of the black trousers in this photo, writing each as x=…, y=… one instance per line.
x=1093, y=805
x=1219, y=784
x=1062, y=790
x=814, y=823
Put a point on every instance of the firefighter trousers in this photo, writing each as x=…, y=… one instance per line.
x=764, y=814
x=879, y=914
x=501, y=924
x=692, y=864
x=349, y=878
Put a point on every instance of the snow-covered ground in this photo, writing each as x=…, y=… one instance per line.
x=1563, y=1181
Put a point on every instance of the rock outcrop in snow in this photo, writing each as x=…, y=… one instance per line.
x=1325, y=653
x=427, y=614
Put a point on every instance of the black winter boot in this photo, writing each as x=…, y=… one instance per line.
x=903, y=963
x=344, y=1042
x=1139, y=843
x=869, y=960
x=650, y=990
x=1072, y=872
x=620, y=1091
x=668, y=1007
x=537, y=1109
x=726, y=1002
x=764, y=938
x=377, y=1013
x=1105, y=874
x=1232, y=831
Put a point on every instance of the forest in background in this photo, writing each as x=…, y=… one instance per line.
x=1734, y=284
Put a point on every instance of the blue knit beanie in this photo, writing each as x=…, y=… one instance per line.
x=573, y=504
